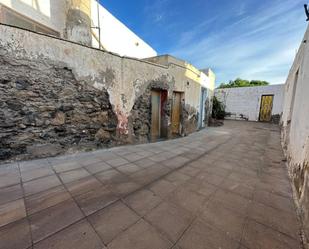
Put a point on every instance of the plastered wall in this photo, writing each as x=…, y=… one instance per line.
x=295, y=129
x=123, y=80
x=244, y=102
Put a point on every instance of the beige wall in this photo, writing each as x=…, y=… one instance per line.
x=295, y=132
x=124, y=78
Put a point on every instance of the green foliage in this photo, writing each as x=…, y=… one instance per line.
x=243, y=83
x=218, y=109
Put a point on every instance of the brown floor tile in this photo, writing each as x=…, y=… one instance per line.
x=177, y=178
x=144, y=163
x=170, y=219
x=202, y=236
x=12, y=211
x=140, y=236
x=258, y=236
x=110, y=176
x=15, y=235
x=41, y=184
x=77, y=236
x=232, y=201
x=238, y=188
x=83, y=185
x=143, y=201
x=29, y=175
x=73, y=175
x=11, y=193
x=97, y=167
x=162, y=187
x=53, y=219
x=210, y=178
x=274, y=200
x=200, y=187
x=66, y=166
x=9, y=178
x=117, y=162
x=95, y=200
x=129, y=168
x=112, y=220
x=284, y=222
x=215, y=215
x=188, y=200
x=46, y=199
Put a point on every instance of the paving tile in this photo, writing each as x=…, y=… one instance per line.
x=78, y=236
x=200, y=187
x=190, y=171
x=186, y=199
x=124, y=188
x=12, y=211
x=117, y=162
x=129, y=168
x=33, y=164
x=95, y=200
x=210, y=178
x=170, y=219
x=143, y=201
x=15, y=235
x=232, y=201
x=144, y=163
x=149, y=174
x=53, y=219
x=29, y=175
x=274, y=200
x=177, y=178
x=97, y=167
x=11, y=193
x=46, y=199
x=66, y=166
x=110, y=176
x=162, y=187
x=73, y=175
x=275, y=218
x=258, y=236
x=83, y=185
x=140, y=236
x=215, y=215
x=41, y=184
x=238, y=188
x=9, y=178
x=202, y=236
x=112, y=220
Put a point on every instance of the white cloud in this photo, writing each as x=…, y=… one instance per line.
x=257, y=46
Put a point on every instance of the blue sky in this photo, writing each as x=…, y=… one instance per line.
x=251, y=39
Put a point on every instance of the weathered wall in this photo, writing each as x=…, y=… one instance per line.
x=295, y=128
x=244, y=102
x=53, y=65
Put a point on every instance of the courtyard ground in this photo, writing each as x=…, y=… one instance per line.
x=224, y=187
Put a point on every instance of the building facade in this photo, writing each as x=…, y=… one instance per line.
x=57, y=96
x=260, y=103
x=82, y=21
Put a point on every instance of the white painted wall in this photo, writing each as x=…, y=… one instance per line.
x=115, y=36
x=50, y=13
x=295, y=128
x=246, y=101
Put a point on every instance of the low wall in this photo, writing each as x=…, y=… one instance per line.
x=244, y=102
x=295, y=129
x=59, y=96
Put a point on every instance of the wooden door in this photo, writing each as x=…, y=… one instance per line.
x=266, y=108
x=176, y=108
x=155, y=115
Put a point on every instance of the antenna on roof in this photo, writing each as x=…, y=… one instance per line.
x=307, y=12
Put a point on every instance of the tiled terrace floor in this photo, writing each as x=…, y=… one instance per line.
x=223, y=187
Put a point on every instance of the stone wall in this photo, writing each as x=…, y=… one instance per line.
x=60, y=97
x=295, y=130
x=44, y=110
